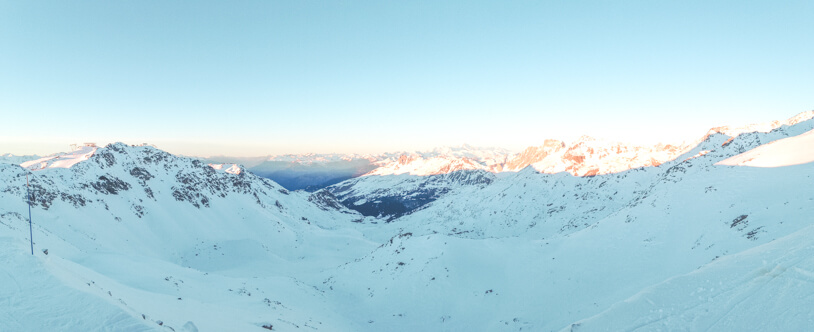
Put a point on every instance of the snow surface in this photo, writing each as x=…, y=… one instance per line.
x=63, y=160
x=170, y=238
x=35, y=297
x=785, y=152
x=142, y=240
x=761, y=289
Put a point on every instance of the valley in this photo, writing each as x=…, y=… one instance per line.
x=703, y=236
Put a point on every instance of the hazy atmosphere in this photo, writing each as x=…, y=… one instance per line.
x=253, y=78
x=368, y=166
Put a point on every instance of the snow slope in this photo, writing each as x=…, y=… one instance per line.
x=34, y=299
x=585, y=157
x=761, y=289
x=61, y=160
x=391, y=196
x=174, y=240
x=785, y=152
x=540, y=252
x=140, y=239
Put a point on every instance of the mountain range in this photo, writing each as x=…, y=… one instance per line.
x=590, y=235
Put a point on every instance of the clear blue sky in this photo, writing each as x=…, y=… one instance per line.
x=268, y=77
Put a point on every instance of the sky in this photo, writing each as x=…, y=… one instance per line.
x=252, y=78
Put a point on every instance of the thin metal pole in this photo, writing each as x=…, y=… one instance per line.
x=30, y=228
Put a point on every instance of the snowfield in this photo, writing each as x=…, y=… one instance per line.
x=785, y=152
x=764, y=288
x=62, y=160
x=138, y=239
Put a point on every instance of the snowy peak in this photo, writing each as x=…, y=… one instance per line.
x=61, y=160
x=803, y=116
x=227, y=168
x=587, y=156
x=144, y=173
x=533, y=154
x=417, y=165
x=158, y=220
x=734, y=131
x=174, y=243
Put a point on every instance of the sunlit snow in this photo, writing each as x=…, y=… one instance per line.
x=785, y=152
x=132, y=238
x=64, y=160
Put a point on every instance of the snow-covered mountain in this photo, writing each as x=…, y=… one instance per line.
x=788, y=151
x=158, y=241
x=393, y=196
x=681, y=246
x=313, y=171
x=138, y=239
x=586, y=156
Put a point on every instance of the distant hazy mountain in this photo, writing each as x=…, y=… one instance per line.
x=13, y=159
x=312, y=172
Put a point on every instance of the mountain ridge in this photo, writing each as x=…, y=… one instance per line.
x=147, y=240
x=585, y=156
